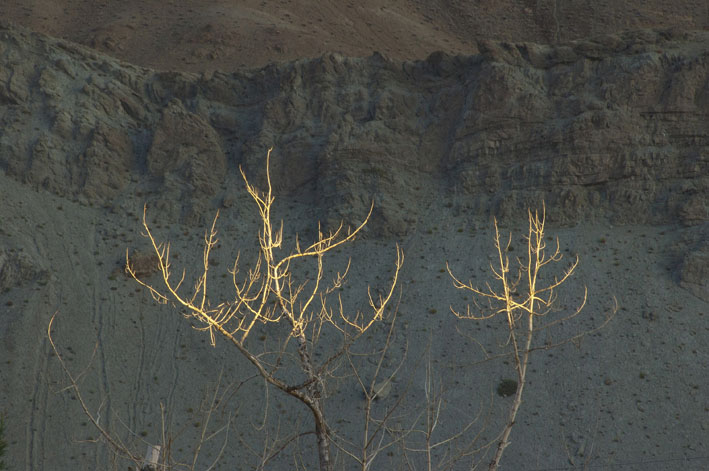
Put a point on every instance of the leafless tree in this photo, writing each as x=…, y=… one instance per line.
x=269, y=294
x=124, y=449
x=526, y=303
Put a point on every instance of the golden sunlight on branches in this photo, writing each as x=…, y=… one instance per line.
x=523, y=299
x=269, y=293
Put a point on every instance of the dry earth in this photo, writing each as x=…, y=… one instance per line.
x=610, y=128
x=226, y=35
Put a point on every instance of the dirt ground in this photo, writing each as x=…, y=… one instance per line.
x=194, y=35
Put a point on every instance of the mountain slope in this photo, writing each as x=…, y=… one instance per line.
x=610, y=131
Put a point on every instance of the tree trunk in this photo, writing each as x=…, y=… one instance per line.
x=521, y=366
x=315, y=389
x=323, y=439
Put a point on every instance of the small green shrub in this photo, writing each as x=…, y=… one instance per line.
x=507, y=387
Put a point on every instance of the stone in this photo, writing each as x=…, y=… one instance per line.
x=382, y=390
x=17, y=268
x=108, y=162
x=143, y=264
x=694, y=273
x=186, y=148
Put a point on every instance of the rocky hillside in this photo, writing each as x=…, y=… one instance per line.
x=612, y=127
x=608, y=131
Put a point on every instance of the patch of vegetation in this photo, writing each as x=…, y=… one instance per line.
x=507, y=387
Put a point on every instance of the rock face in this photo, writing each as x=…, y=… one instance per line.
x=17, y=267
x=621, y=135
x=64, y=127
x=694, y=274
x=608, y=128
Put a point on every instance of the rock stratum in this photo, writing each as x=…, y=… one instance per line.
x=612, y=127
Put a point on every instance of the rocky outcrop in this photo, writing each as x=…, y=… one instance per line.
x=694, y=273
x=614, y=127
x=17, y=267
x=64, y=128
x=143, y=264
x=185, y=152
x=608, y=128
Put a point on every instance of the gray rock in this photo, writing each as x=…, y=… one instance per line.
x=186, y=147
x=612, y=127
x=382, y=390
x=694, y=274
x=17, y=268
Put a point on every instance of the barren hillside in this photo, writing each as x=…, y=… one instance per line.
x=609, y=128
x=190, y=35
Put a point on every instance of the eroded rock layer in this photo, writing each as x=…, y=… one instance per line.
x=614, y=127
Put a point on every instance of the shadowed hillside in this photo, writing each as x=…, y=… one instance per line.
x=613, y=127
x=612, y=132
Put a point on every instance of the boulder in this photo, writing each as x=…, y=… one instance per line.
x=186, y=152
x=17, y=268
x=694, y=273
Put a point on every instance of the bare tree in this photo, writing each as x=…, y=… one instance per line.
x=125, y=449
x=523, y=300
x=269, y=294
